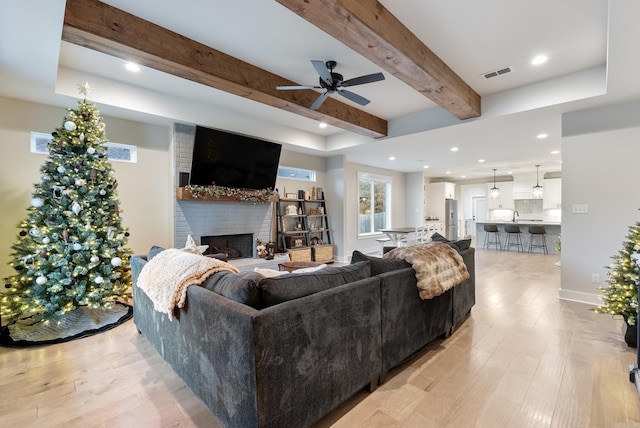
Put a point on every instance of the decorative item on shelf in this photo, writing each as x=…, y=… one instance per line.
x=299, y=210
x=271, y=250
x=313, y=193
x=315, y=211
x=319, y=194
x=298, y=242
x=537, y=189
x=291, y=210
x=261, y=248
x=299, y=225
x=315, y=241
x=494, y=192
x=290, y=196
x=244, y=195
x=620, y=297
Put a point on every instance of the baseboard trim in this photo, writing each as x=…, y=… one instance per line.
x=577, y=296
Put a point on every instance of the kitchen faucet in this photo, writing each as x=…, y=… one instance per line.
x=514, y=216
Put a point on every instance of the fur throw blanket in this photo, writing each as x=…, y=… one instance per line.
x=438, y=267
x=165, y=277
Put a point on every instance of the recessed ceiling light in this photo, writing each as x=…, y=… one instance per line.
x=464, y=176
x=448, y=172
x=454, y=149
x=540, y=59
x=425, y=166
x=322, y=125
x=541, y=136
x=481, y=160
x=555, y=152
x=392, y=158
x=131, y=66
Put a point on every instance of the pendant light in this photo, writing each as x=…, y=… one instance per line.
x=537, y=189
x=494, y=192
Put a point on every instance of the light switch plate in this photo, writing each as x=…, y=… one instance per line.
x=580, y=209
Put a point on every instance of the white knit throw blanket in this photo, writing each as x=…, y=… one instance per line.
x=438, y=267
x=165, y=277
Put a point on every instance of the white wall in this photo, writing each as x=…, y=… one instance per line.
x=600, y=169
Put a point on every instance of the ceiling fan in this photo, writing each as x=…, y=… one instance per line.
x=333, y=83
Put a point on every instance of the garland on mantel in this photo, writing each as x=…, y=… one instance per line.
x=244, y=195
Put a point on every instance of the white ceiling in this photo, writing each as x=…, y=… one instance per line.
x=471, y=37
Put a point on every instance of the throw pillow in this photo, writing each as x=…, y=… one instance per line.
x=154, y=251
x=379, y=265
x=270, y=273
x=310, y=269
x=436, y=237
x=192, y=247
x=288, y=287
x=240, y=287
x=463, y=244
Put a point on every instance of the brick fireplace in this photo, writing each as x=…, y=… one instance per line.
x=206, y=219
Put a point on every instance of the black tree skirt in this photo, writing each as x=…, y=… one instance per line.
x=79, y=323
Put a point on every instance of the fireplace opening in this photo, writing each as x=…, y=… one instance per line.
x=237, y=246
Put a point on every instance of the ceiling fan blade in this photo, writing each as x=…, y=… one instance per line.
x=292, y=88
x=323, y=71
x=369, y=78
x=354, y=97
x=318, y=102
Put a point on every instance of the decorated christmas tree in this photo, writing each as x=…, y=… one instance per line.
x=621, y=296
x=71, y=248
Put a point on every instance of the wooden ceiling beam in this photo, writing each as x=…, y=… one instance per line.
x=371, y=30
x=98, y=26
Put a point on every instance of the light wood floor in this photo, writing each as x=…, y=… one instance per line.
x=523, y=359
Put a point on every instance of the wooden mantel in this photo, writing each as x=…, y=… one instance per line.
x=184, y=194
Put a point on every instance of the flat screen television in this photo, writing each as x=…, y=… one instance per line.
x=233, y=160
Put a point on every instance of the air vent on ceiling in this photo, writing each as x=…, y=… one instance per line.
x=495, y=73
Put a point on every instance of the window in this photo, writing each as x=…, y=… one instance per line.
x=115, y=151
x=296, y=173
x=374, y=197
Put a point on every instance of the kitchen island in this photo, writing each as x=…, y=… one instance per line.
x=552, y=229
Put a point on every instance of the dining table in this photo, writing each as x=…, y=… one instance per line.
x=397, y=233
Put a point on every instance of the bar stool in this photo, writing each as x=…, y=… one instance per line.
x=491, y=230
x=514, y=231
x=537, y=233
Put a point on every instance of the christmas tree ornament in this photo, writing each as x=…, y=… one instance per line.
x=34, y=232
x=57, y=191
x=45, y=240
x=65, y=235
x=80, y=182
x=102, y=192
x=77, y=246
x=81, y=137
x=37, y=202
x=94, y=259
x=23, y=233
x=91, y=150
x=61, y=169
x=98, y=280
x=76, y=208
x=116, y=261
x=69, y=125
x=41, y=280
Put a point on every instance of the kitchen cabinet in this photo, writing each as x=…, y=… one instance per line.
x=435, y=199
x=552, y=193
x=522, y=190
x=505, y=200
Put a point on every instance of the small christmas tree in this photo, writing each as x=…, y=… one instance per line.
x=621, y=296
x=70, y=250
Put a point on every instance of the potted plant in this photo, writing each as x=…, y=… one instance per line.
x=620, y=297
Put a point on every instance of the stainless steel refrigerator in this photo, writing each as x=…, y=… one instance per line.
x=451, y=219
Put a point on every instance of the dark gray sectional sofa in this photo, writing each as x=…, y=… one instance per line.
x=286, y=351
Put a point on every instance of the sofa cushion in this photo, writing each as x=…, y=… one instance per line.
x=460, y=245
x=379, y=265
x=154, y=251
x=241, y=287
x=293, y=286
x=436, y=237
